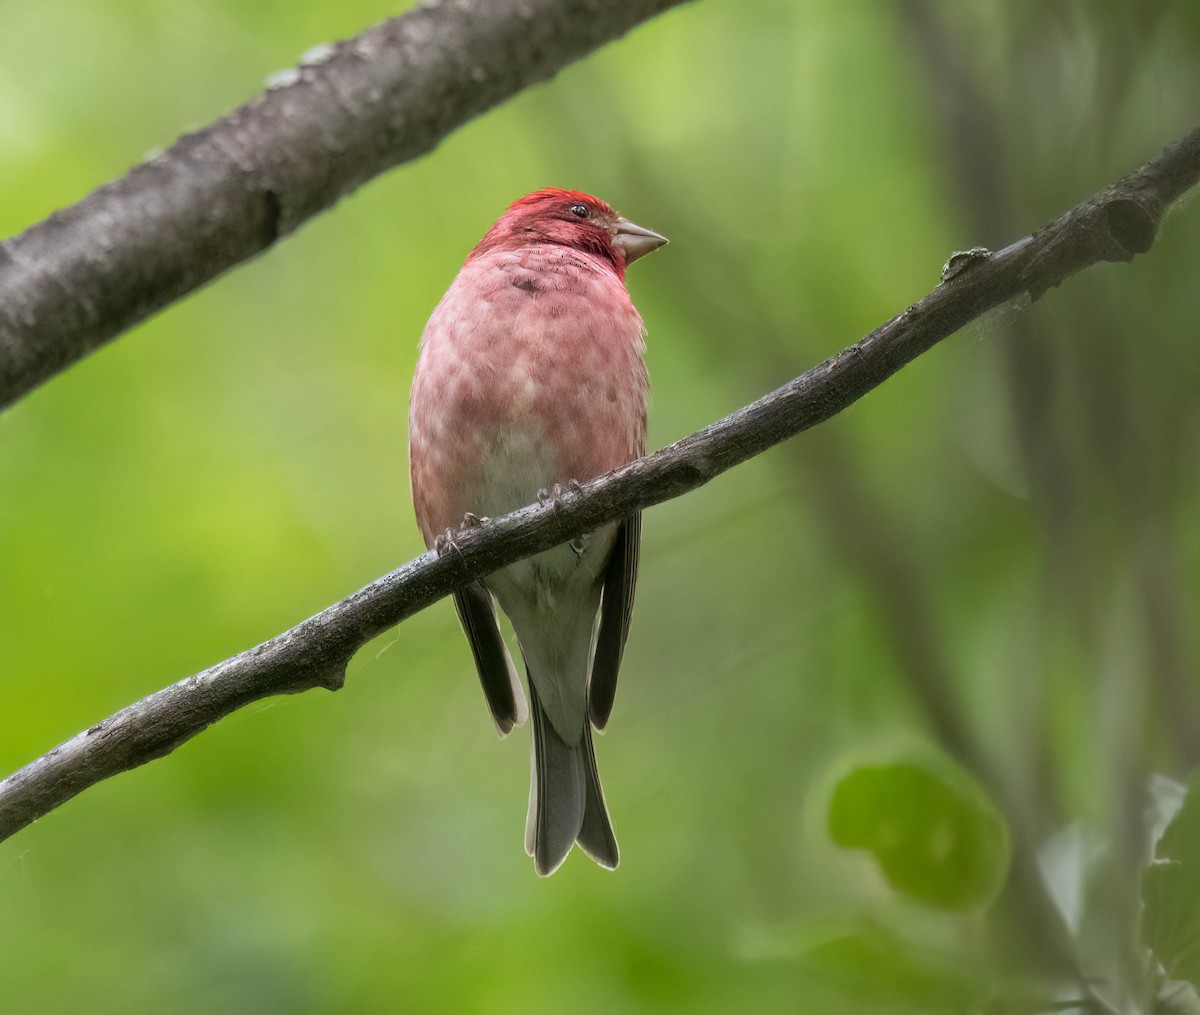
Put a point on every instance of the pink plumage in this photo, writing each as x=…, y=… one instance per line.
x=531, y=376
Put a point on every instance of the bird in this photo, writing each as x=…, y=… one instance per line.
x=530, y=381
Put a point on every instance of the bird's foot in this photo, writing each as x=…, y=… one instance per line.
x=444, y=541
x=557, y=492
x=448, y=540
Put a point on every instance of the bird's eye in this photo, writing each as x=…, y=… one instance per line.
x=580, y=210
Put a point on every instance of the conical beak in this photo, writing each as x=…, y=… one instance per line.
x=635, y=240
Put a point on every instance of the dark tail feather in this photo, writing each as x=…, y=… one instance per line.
x=501, y=687
x=596, y=837
x=565, y=800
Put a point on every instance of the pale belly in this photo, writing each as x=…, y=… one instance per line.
x=517, y=467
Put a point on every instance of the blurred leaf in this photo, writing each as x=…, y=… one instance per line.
x=934, y=832
x=1068, y=861
x=1166, y=797
x=1171, y=893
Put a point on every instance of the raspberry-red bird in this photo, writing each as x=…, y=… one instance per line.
x=531, y=377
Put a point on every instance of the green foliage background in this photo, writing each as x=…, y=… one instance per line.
x=995, y=558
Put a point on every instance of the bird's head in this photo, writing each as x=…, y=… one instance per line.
x=571, y=219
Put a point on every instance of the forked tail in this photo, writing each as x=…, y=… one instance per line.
x=566, y=803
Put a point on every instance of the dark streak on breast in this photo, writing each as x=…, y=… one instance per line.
x=530, y=285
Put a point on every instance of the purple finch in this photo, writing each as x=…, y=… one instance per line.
x=531, y=378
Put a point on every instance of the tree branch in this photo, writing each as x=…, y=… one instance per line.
x=229, y=191
x=1114, y=225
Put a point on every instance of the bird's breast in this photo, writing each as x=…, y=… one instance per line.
x=530, y=374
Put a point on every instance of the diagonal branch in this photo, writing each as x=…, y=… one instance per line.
x=227, y=192
x=1114, y=225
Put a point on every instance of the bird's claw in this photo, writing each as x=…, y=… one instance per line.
x=557, y=492
x=448, y=540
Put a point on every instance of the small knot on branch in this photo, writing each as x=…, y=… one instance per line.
x=1108, y=228
x=332, y=678
x=693, y=471
x=962, y=260
x=1131, y=225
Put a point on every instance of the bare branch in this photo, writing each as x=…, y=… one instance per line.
x=225, y=193
x=1114, y=225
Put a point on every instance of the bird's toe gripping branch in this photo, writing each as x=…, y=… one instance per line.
x=448, y=540
x=444, y=541
x=557, y=492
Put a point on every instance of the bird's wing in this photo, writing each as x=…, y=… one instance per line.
x=620, y=578
x=501, y=686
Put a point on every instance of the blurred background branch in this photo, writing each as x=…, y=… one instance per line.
x=977, y=156
x=225, y=193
